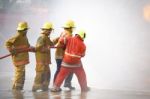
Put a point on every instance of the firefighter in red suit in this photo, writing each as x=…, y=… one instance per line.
x=74, y=51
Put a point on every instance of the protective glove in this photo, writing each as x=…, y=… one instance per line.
x=32, y=49
x=13, y=52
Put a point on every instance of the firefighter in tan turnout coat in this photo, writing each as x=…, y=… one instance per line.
x=43, y=59
x=14, y=44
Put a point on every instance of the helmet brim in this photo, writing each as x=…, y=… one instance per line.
x=47, y=29
x=68, y=27
x=18, y=29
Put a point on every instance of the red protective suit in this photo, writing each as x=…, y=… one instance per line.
x=75, y=49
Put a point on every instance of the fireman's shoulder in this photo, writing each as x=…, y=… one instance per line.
x=40, y=39
x=13, y=38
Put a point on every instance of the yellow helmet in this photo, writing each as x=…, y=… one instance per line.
x=69, y=24
x=22, y=26
x=47, y=25
x=81, y=33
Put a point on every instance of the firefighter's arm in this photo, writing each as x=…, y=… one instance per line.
x=60, y=44
x=52, y=43
x=84, y=50
x=9, y=45
x=55, y=41
x=30, y=48
x=83, y=54
x=40, y=45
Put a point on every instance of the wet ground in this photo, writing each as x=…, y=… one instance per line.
x=93, y=94
x=7, y=93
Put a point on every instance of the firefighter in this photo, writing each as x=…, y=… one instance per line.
x=68, y=30
x=75, y=50
x=17, y=43
x=43, y=59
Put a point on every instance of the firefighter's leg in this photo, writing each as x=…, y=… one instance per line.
x=81, y=76
x=61, y=76
x=68, y=80
x=38, y=81
x=59, y=79
x=47, y=76
x=39, y=78
x=19, y=77
x=58, y=62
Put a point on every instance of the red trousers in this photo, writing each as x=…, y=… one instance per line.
x=65, y=71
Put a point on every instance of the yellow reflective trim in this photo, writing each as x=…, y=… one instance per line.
x=73, y=55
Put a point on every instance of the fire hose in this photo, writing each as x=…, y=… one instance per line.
x=24, y=50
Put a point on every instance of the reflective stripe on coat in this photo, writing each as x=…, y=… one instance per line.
x=19, y=42
x=75, y=49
